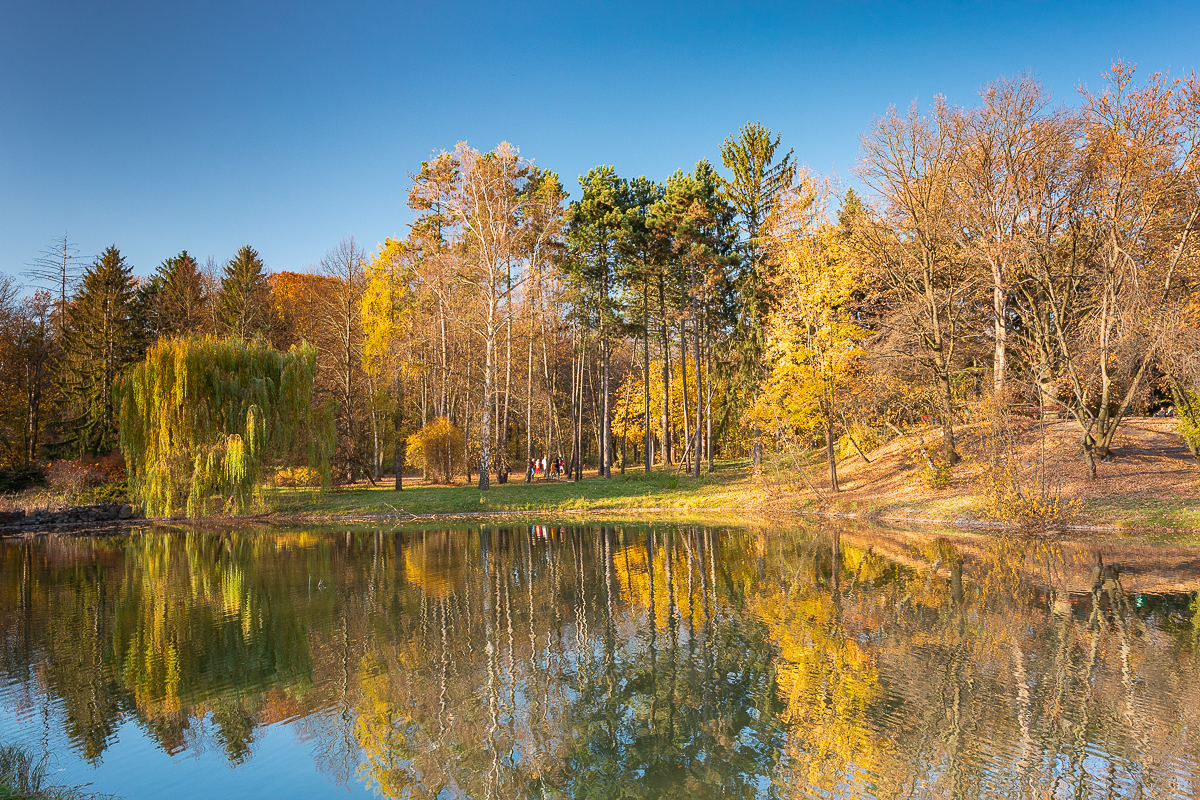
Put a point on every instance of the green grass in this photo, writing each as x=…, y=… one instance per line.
x=23, y=777
x=728, y=487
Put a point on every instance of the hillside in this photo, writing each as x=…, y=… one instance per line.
x=1152, y=474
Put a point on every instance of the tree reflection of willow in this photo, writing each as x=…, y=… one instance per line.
x=684, y=662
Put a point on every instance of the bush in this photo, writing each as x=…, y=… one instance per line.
x=18, y=479
x=1013, y=491
x=438, y=449
x=934, y=473
x=74, y=476
x=298, y=476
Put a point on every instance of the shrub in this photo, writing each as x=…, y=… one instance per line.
x=933, y=473
x=438, y=449
x=298, y=476
x=72, y=476
x=18, y=479
x=1013, y=491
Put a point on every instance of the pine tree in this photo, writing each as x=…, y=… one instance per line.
x=758, y=183
x=593, y=231
x=245, y=310
x=99, y=339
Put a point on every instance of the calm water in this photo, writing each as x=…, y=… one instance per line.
x=593, y=661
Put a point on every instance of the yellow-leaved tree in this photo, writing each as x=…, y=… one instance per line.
x=385, y=307
x=813, y=340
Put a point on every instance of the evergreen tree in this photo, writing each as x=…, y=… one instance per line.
x=758, y=183
x=594, y=225
x=181, y=301
x=147, y=320
x=99, y=339
x=245, y=310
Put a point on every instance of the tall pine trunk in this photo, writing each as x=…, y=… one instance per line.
x=667, y=445
x=605, y=410
x=683, y=386
x=699, y=394
x=648, y=438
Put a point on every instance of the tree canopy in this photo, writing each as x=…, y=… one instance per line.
x=203, y=419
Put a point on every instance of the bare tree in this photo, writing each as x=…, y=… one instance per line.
x=909, y=244
x=341, y=329
x=58, y=268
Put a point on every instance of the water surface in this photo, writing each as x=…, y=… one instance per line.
x=603, y=661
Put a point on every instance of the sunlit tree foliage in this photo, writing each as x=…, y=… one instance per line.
x=201, y=420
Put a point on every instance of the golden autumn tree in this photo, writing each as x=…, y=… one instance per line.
x=813, y=341
x=385, y=308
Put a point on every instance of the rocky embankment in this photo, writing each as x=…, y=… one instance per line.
x=74, y=518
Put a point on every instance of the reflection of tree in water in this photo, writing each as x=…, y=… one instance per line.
x=967, y=678
x=586, y=661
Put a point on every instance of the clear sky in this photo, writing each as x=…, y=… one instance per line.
x=161, y=126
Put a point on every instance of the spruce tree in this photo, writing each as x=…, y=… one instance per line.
x=99, y=339
x=181, y=300
x=245, y=310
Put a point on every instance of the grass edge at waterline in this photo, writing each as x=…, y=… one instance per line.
x=23, y=777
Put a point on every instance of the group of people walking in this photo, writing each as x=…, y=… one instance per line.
x=541, y=467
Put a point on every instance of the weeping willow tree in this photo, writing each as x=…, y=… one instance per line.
x=201, y=419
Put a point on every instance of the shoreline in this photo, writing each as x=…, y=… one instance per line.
x=640, y=514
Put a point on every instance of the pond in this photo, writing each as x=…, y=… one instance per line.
x=589, y=660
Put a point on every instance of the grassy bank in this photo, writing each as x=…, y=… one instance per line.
x=23, y=777
x=731, y=488
x=728, y=487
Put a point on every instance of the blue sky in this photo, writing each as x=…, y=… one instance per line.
x=164, y=126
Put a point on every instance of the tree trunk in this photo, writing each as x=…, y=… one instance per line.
x=948, y=450
x=397, y=421
x=648, y=437
x=529, y=403
x=605, y=409
x=502, y=455
x=579, y=410
x=683, y=386
x=1000, y=312
x=699, y=394
x=667, y=449
x=574, y=454
x=708, y=395
x=830, y=454
x=377, y=450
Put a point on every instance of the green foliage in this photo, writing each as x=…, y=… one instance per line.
x=23, y=777
x=99, y=339
x=20, y=478
x=1189, y=423
x=181, y=301
x=201, y=418
x=757, y=185
x=245, y=310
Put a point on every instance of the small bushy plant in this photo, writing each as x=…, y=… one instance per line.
x=19, y=479
x=438, y=449
x=930, y=469
x=1014, y=491
x=298, y=477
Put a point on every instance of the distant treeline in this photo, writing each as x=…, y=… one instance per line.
x=1019, y=251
